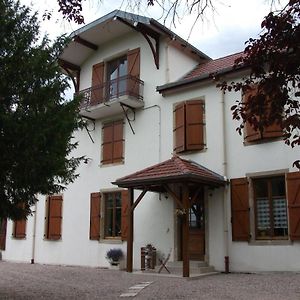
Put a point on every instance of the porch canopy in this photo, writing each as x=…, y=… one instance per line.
x=179, y=178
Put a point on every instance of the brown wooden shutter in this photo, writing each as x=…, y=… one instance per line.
x=293, y=197
x=124, y=215
x=107, y=143
x=250, y=134
x=95, y=216
x=194, y=113
x=133, y=70
x=54, y=217
x=3, y=226
x=240, y=209
x=19, y=229
x=97, y=84
x=118, y=141
x=179, y=128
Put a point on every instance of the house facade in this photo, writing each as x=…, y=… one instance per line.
x=164, y=163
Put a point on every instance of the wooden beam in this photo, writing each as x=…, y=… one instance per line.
x=138, y=200
x=196, y=195
x=66, y=64
x=85, y=43
x=130, y=232
x=174, y=196
x=185, y=233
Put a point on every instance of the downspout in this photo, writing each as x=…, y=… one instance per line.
x=34, y=235
x=167, y=74
x=225, y=193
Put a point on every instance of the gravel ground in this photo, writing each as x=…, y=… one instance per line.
x=25, y=281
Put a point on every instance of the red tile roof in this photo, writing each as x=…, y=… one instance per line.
x=172, y=170
x=213, y=66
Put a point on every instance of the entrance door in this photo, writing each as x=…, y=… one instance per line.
x=197, y=230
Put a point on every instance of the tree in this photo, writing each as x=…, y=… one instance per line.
x=274, y=62
x=36, y=123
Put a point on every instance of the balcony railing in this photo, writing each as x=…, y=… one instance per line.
x=122, y=87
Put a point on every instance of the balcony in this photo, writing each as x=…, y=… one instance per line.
x=111, y=97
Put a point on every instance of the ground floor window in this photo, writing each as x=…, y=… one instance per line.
x=270, y=208
x=113, y=215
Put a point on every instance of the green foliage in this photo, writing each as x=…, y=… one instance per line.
x=36, y=123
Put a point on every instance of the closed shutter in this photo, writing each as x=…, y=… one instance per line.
x=107, y=143
x=118, y=141
x=97, y=84
x=19, y=229
x=293, y=197
x=124, y=215
x=133, y=70
x=3, y=225
x=194, y=111
x=240, y=209
x=250, y=134
x=179, y=128
x=95, y=216
x=54, y=217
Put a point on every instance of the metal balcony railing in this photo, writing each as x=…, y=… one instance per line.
x=123, y=86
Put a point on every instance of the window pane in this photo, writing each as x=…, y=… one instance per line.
x=118, y=222
x=263, y=217
x=280, y=217
x=278, y=186
x=109, y=222
x=123, y=67
x=109, y=201
x=261, y=188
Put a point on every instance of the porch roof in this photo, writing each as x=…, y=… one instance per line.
x=173, y=170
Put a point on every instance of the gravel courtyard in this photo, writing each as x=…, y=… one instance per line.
x=25, y=281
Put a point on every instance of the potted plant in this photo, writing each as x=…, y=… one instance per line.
x=114, y=256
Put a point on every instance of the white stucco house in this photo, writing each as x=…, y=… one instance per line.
x=164, y=164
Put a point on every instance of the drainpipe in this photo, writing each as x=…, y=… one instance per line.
x=225, y=193
x=167, y=74
x=34, y=234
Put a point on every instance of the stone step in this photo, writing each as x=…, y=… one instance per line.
x=193, y=264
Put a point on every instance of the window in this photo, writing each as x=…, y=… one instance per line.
x=53, y=217
x=269, y=132
x=270, y=208
x=189, y=126
x=112, y=216
x=19, y=229
x=112, y=142
x=276, y=207
x=3, y=225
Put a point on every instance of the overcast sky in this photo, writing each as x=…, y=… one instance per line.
x=219, y=35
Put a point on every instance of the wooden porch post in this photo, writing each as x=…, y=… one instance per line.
x=130, y=231
x=185, y=233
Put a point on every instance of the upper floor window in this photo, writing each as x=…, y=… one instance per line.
x=269, y=132
x=112, y=142
x=189, y=126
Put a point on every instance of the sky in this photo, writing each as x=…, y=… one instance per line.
x=222, y=33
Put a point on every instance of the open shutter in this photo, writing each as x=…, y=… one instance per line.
x=240, y=209
x=107, y=143
x=3, y=225
x=19, y=229
x=95, y=216
x=97, y=84
x=133, y=70
x=124, y=216
x=293, y=197
x=54, y=217
x=179, y=128
x=118, y=141
x=194, y=114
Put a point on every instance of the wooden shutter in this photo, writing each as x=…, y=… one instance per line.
x=107, y=143
x=133, y=69
x=3, y=225
x=118, y=141
x=250, y=134
x=54, y=217
x=19, y=229
x=97, y=84
x=179, y=128
x=293, y=197
x=95, y=216
x=240, y=209
x=124, y=215
x=194, y=118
